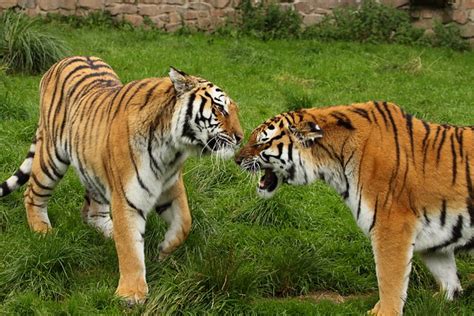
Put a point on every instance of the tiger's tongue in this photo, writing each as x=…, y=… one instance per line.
x=267, y=179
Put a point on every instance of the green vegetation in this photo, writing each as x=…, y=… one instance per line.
x=26, y=48
x=372, y=22
x=244, y=255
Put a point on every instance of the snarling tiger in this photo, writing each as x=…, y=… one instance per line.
x=408, y=183
x=128, y=144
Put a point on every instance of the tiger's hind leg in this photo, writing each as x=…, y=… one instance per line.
x=97, y=215
x=173, y=208
x=443, y=267
x=47, y=170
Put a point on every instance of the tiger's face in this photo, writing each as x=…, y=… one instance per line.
x=280, y=148
x=209, y=117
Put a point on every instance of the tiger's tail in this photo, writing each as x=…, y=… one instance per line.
x=22, y=175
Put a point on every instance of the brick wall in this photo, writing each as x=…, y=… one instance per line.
x=170, y=15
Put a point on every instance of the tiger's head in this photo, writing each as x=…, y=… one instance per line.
x=281, y=147
x=208, y=117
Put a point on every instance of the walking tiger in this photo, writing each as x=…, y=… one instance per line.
x=128, y=143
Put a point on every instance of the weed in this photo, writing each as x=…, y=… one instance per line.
x=24, y=47
x=268, y=21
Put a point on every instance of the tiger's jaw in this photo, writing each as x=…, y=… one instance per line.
x=270, y=179
x=268, y=184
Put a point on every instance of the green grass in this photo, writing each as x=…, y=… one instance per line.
x=244, y=255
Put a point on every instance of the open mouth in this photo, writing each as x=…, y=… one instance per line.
x=269, y=181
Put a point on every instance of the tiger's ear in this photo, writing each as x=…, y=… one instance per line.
x=306, y=132
x=181, y=81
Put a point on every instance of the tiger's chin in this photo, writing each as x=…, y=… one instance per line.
x=268, y=184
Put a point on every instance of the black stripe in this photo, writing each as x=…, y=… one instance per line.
x=38, y=183
x=160, y=209
x=409, y=121
x=359, y=204
x=362, y=113
x=135, y=167
x=377, y=106
x=443, y=213
x=22, y=177
x=395, y=135
x=425, y=215
x=30, y=154
x=443, y=137
x=456, y=234
x=375, y=214
x=139, y=211
x=39, y=194
x=5, y=189
x=470, y=192
x=453, y=153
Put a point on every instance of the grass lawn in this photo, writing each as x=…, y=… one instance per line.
x=298, y=253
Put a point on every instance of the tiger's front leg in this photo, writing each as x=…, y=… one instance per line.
x=128, y=231
x=173, y=208
x=392, y=238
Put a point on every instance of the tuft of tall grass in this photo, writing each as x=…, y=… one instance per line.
x=24, y=47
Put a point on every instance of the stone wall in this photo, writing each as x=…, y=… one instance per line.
x=206, y=15
x=169, y=15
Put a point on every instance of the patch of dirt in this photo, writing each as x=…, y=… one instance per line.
x=333, y=297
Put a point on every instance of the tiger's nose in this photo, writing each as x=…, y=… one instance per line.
x=238, y=138
x=238, y=159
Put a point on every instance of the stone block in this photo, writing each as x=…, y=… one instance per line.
x=427, y=14
x=148, y=9
x=190, y=15
x=48, y=5
x=91, y=4
x=203, y=14
x=134, y=19
x=217, y=13
x=162, y=17
x=220, y=4
x=32, y=11
x=66, y=12
x=25, y=3
x=467, y=30
x=303, y=7
x=311, y=19
x=67, y=4
x=460, y=16
x=179, y=2
x=467, y=4
x=396, y=3
x=5, y=4
x=151, y=1
x=471, y=15
x=199, y=6
x=175, y=17
x=166, y=8
x=204, y=23
x=122, y=8
x=173, y=27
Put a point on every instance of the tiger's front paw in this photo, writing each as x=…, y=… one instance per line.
x=165, y=250
x=375, y=310
x=379, y=311
x=134, y=294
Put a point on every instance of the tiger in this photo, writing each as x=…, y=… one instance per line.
x=127, y=143
x=407, y=182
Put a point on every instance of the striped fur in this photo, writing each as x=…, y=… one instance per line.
x=408, y=183
x=128, y=144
